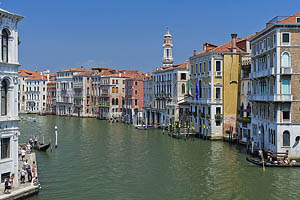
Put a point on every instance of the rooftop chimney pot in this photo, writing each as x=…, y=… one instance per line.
x=233, y=42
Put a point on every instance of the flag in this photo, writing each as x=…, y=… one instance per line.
x=197, y=93
x=190, y=90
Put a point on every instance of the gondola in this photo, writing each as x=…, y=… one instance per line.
x=266, y=164
x=42, y=147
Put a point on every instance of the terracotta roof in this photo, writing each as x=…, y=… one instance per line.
x=290, y=20
x=73, y=70
x=24, y=72
x=37, y=77
x=184, y=65
x=227, y=48
x=52, y=82
x=85, y=73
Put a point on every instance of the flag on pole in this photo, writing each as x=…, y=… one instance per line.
x=190, y=90
x=197, y=92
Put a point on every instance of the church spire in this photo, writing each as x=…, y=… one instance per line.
x=168, y=46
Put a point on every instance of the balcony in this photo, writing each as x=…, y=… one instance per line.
x=244, y=119
x=218, y=100
x=205, y=101
x=283, y=97
x=286, y=70
x=77, y=85
x=275, y=97
x=266, y=72
x=104, y=95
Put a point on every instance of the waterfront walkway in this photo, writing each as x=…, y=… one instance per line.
x=21, y=190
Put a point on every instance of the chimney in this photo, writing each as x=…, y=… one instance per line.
x=233, y=42
x=204, y=47
x=195, y=52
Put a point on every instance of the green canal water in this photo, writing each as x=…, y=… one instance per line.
x=99, y=160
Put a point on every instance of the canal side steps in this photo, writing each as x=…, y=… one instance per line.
x=21, y=191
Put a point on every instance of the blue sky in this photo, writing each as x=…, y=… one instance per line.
x=128, y=34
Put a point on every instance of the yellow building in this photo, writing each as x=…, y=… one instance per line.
x=215, y=75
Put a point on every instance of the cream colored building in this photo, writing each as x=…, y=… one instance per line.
x=215, y=87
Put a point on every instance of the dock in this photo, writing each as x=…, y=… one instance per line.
x=21, y=191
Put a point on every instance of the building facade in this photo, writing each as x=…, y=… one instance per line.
x=51, y=98
x=133, y=108
x=65, y=92
x=148, y=94
x=215, y=87
x=170, y=85
x=9, y=122
x=275, y=92
x=244, y=112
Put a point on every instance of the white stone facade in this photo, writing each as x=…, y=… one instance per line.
x=65, y=92
x=9, y=120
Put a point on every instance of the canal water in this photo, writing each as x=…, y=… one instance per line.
x=99, y=160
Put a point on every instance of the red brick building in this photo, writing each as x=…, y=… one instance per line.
x=133, y=109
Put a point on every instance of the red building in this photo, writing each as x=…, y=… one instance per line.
x=133, y=109
x=51, y=98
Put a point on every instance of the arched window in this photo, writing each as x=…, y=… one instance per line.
x=4, y=45
x=286, y=138
x=113, y=101
x=4, y=91
x=285, y=60
x=117, y=101
x=183, y=88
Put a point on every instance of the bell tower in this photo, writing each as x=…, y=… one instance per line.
x=168, y=46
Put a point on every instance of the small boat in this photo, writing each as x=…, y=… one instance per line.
x=42, y=147
x=267, y=164
x=140, y=127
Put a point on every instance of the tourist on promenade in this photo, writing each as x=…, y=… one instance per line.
x=35, y=140
x=29, y=173
x=11, y=181
x=25, y=164
x=30, y=141
x=6, y=186
x=28, y=148
x=23, y=152
x=33, y=169
x=23, y=175
x=35, y=181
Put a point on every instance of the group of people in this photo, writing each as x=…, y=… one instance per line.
x=29, y=171
x=26, y=170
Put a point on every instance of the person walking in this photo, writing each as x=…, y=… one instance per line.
x=23, y=153
x=23, y=175
x=11, y=181
x=29, y=173
x=6, y=186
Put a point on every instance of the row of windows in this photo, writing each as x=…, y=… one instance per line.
x=200, y=68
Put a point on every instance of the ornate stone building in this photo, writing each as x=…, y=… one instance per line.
x=275, y=92
x=9, y=123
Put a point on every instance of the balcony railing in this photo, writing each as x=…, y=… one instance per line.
x=275, y=97
x=266, y=72
x=286, y=70
x=77, y=85
x=283, y=97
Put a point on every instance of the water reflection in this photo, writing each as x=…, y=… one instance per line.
x=99, y=160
